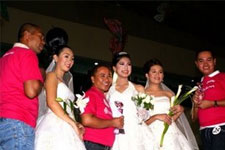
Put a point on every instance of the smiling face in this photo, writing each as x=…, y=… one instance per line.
x=123, y=67
x=102, y=79
x=155, y=74
x=65, y=60
x=205, y=62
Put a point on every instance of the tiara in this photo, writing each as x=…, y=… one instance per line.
x=122, y=53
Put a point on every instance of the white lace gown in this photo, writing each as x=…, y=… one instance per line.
x=52, y=133
x=174, y=138
x=137, y=136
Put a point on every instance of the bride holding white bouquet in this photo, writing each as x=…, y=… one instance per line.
x=134, y=136
x=173, y=138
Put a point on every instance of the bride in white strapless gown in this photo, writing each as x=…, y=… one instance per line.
x=57, y=130
x=53, y=133
x=174, y=138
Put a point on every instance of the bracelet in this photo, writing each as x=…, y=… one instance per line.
x=215, y=104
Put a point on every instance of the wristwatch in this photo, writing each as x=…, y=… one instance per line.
x=215, y=104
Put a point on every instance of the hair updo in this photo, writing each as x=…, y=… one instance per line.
x=118, y=56
x=150, y=63
x=58, y=50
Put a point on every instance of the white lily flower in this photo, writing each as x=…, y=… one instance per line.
x=80, y=96
x=147, y=99
x=179, y=90
x=152, y=100
x=142, y=95
x=136, y=96
x=81, y=104
x=172, y=101
x=192, y=90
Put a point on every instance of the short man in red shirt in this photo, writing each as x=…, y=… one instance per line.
x=97, y=117
x=209, y=102
x=20, y=83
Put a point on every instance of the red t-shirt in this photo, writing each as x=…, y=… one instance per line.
x=214, y=89
x=18, y=65
x=99, y=106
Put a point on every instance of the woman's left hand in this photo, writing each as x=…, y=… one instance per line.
x=177, y=109
x=81, y=128
x=77, y=127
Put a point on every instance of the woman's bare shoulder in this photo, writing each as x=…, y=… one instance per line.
x=139, y=87
x=168, y=93
x=51, y=77
x=51, y=74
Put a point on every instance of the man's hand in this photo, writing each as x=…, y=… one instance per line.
x=118, y=122
x=205, y=104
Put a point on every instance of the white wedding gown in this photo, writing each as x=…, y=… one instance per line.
x=137, y=135
x=174, y=139
x=52, y=133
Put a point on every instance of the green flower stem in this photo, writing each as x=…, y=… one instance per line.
x=166, y=127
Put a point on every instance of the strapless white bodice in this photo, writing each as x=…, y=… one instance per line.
x=66, y=94
x=161, y=105
x=174, y=138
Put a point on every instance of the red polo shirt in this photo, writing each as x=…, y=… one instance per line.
x=214, y=89
x=98, y=106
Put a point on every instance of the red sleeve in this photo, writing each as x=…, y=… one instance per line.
x=29, y=67
x=223, y=81
x=91, y=106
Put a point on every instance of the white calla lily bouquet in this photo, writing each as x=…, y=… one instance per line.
x=80, y=102
x=176, y=100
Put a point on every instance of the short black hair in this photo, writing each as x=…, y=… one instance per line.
x=30, y=27
x=150, y=63
x=88, y=83
x=96, y=67
x=203, y=50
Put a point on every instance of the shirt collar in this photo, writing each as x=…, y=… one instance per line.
x=21, y=45
x=97, y=90
x=212, y=74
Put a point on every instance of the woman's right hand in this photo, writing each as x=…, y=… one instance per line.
x=165, y=118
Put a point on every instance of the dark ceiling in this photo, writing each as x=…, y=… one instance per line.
x=204, y=20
